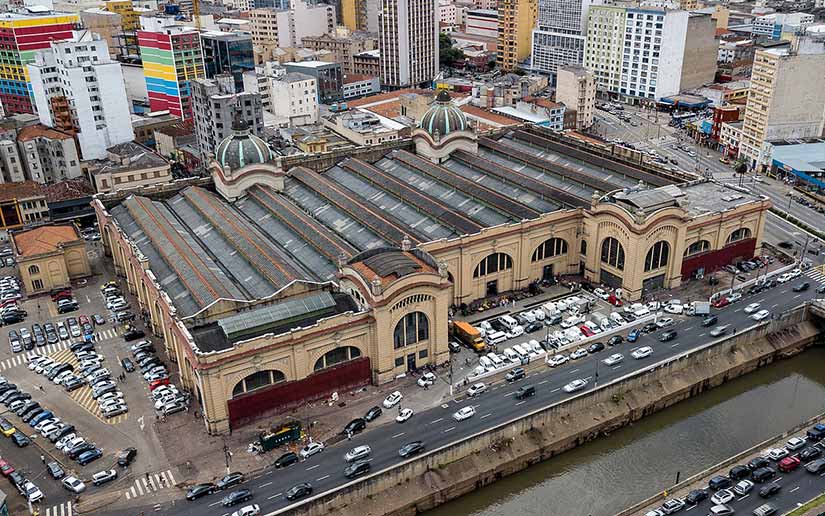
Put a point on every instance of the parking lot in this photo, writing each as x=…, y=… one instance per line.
x=117, y=414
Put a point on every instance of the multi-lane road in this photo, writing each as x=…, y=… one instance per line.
x=436, y=427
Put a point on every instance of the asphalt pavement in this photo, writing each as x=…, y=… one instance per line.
x=436, y=427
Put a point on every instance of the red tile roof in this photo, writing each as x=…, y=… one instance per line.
x=37, y=131
x=45, y=239
x=22, y=190
x=69, y=189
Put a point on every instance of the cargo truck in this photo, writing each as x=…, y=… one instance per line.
x=469, y=335
x=698, y=308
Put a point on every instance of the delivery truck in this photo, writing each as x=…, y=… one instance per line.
x=469, y=335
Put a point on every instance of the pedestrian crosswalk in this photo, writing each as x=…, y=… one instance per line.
x=64, y=509
x=50, y=349
x=150, y=483
x=816, y=274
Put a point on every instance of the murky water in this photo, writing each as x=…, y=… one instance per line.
x=607, y=475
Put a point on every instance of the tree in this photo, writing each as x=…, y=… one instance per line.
x=447, y=55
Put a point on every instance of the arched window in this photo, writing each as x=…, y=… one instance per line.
x=258, y=380
x=583, y=249
x=34, y=269
x=549, y=248
x=492, y=264
x=337, y=356
x=701, y=246
x=739, y=234
x=657, y=256
x=613, y=253
x=413, y=328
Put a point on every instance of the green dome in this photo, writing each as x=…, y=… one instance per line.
x=242, y=148
x=443, y=117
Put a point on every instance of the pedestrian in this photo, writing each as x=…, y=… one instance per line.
x=426, y=386
x=147, y=476
x=349, y=435
x=43, y=459
x=40, y=387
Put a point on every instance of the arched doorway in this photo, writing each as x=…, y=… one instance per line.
x=258, y=380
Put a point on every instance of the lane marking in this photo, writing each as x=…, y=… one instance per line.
x=437, y=420
x=556, y=389
x=313, y=467
x=521, y=403
x=322, y=478
x=397, y=435
x=449, y=429
x=486, y=415
x=574, y=370
x=543, y=382
x=674, y=345
x=702, y=334
x=794, y=489
x=264, y=485
x=214, y=504
x=274, y=496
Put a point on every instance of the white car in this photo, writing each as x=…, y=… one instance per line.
x=358, y=453
x=674, y=308
x=464, y=413
x=736, y=296
x=795, y=273
x=248, y=510
x=643, y=352
x=795, y=443
x=35, y=361
x=575, y=385
x=556, y=360
x=427, y=379
x=73, y=484
x=515, y=331
x=761, y=315
x=743, y=487
x=777, y=454
x=476, y=389
x=784, y=277
x=393, y=399
x=751, y=308
x=601, y=294
x=404, y=415
x=613, y=359
x=722, y=496
x=664, y=322
x=64, y=441
x=579, y=353
x=33, y=493
x=311, y=449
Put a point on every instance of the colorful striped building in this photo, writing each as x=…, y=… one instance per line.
x=172, y=56
x=21, y=36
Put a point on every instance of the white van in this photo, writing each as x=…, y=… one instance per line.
x=515, y=331
x=571, y=321
x=550, y=309
x=508, y=321
x=496, y=337
x=617, y=318
x=593, y=326
x=511, y=355
x=528, y=316
x=486, y=363
x=641, y=311
x=523, y=353
x=562, y=304
x=573, y=334
x=497, y=361
x=539, y=314
x=536, y=347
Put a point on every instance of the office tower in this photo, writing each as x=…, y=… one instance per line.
x=408, y=40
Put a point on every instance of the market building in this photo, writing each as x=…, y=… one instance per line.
x=285, y=279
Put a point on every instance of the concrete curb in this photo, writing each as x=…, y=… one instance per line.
x=725, y=463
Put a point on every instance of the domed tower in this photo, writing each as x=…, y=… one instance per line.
x=443, y=129
x=243, y=160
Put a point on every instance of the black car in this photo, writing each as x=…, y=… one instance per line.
x=769, y=490
x=125, y=457
x=357, y=468
x=802, y=287
x=667, y=336
x=299, y=491
x=133, y=334
x=55, y=470
x=236, y=497
x=453, y=346
x=82, y=346
x=199, y=490
x=649, y=327
x=33, y=414
x=809, y=453
x=79, y=449
x=354, y=426
x=739, y=472
x=719, y=482
x=762, y=475
x=230, y=480
x=372, y=414
x=286, y=459
x=615, y=340
x=66, y=430
x=410, y=449
x=17, y=479
x=595, y=347
x=696, y=496
x=127, y=364
x=710, y=320
x=533, y=327
x=758, y=462
x=816, y=467
x=20, y=440
x=628, y=317
x=820, y=289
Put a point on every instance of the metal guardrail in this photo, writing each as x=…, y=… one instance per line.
x=777, y=272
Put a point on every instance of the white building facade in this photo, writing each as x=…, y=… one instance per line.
x=408, y=40
x=294, y=99
x=81, y=72
x=559, y=36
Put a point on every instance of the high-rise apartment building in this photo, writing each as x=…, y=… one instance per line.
x=576, y=89
x=648, y=52
x=286, y=28
x=130, y=17
x=22, y=34
x=408, y=40
x=225, y=52
x=781, y=101
x=558, y=38
x=215, y=103
x=172, y=56
x=78, y=88
x=516, y=19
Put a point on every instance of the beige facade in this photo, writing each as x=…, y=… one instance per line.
x=128, y=165
x=50, y=257
x=343, y=47
x=516, y=19
x=576, y=89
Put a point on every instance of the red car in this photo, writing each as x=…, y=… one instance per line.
x=719, y=303
x=63, y=294
x=586, y=331
x=5, y=468
x=8, y=302
x=84, y=319
x=157, y=383
x=789, y=463
x=615, y=301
